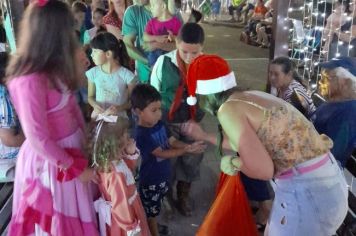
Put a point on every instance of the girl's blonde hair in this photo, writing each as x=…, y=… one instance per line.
x=47, y=44
x=109, y=143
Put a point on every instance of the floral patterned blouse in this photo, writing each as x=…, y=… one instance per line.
x=289, y=137
x=110, y=19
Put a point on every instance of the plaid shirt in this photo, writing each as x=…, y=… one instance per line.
x=8, y=120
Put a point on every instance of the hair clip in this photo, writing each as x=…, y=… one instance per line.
x=42, y=3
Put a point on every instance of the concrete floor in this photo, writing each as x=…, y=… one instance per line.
x=250, y=66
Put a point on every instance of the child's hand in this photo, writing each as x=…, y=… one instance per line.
x=162, y=38
x=196, y=147
x=89, y=174
x=171, y=36
x=112, y=110
x=130, y=147
x=98, y=109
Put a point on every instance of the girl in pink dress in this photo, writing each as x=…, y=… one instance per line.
x=51, y=193
x=120, y=209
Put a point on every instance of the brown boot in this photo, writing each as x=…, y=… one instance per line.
x=183, y=195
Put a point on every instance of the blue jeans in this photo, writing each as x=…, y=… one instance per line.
x=313, y=203
x=153, y=56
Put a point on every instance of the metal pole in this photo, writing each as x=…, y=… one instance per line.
x=16, y=9
x=279, y=44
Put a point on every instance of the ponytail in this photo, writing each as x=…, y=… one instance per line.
x=122, y=55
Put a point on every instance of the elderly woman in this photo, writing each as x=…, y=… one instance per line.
x=289, y=85
x=337, y=117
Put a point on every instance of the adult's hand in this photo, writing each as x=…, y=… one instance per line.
x=194, y=130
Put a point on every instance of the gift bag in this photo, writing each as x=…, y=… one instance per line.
x=230, y=213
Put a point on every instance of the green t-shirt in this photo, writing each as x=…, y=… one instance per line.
x=134, y=23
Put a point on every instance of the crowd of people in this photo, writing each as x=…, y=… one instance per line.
x=128, y=82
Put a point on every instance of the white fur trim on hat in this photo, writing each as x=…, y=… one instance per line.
x=217, y=85
x=191, y=100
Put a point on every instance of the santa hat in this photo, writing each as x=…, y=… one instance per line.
x=208, y=74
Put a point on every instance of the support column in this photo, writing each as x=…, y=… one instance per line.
x=279, y=44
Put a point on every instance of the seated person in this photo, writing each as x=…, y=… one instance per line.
x=290, y=87
x=248, y=9
x=236, y=5
x=263, y=29
x=337, y=117
x=258, y=14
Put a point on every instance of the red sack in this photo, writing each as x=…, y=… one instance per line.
x=230, y=213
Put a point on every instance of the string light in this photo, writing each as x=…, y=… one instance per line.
x=310, y=35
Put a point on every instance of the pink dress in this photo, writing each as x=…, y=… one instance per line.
x=119, y=191
x=49, y=200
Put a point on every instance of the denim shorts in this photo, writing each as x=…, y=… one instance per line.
x=312, y=203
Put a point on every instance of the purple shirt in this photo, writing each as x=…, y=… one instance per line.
x=156, y=27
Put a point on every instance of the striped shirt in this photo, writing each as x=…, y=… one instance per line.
x=301, y=91
x=8, y=120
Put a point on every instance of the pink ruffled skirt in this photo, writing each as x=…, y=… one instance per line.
x=44, y=206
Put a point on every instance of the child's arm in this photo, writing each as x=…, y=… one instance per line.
x=155, y=38
x=179, y=148
x=114, y=30
x=91, y=98
x=10, y=138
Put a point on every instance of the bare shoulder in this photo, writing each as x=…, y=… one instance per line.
x=232, y=110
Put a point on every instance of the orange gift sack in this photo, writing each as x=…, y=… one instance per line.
x=230, y=214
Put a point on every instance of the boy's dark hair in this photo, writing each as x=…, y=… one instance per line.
x=191, y=33
x=108, y=42
x=142, y=95
x=79, y=7
x=100, y=11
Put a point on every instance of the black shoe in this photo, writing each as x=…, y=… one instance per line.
x=163, y=230
x=261, y=227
